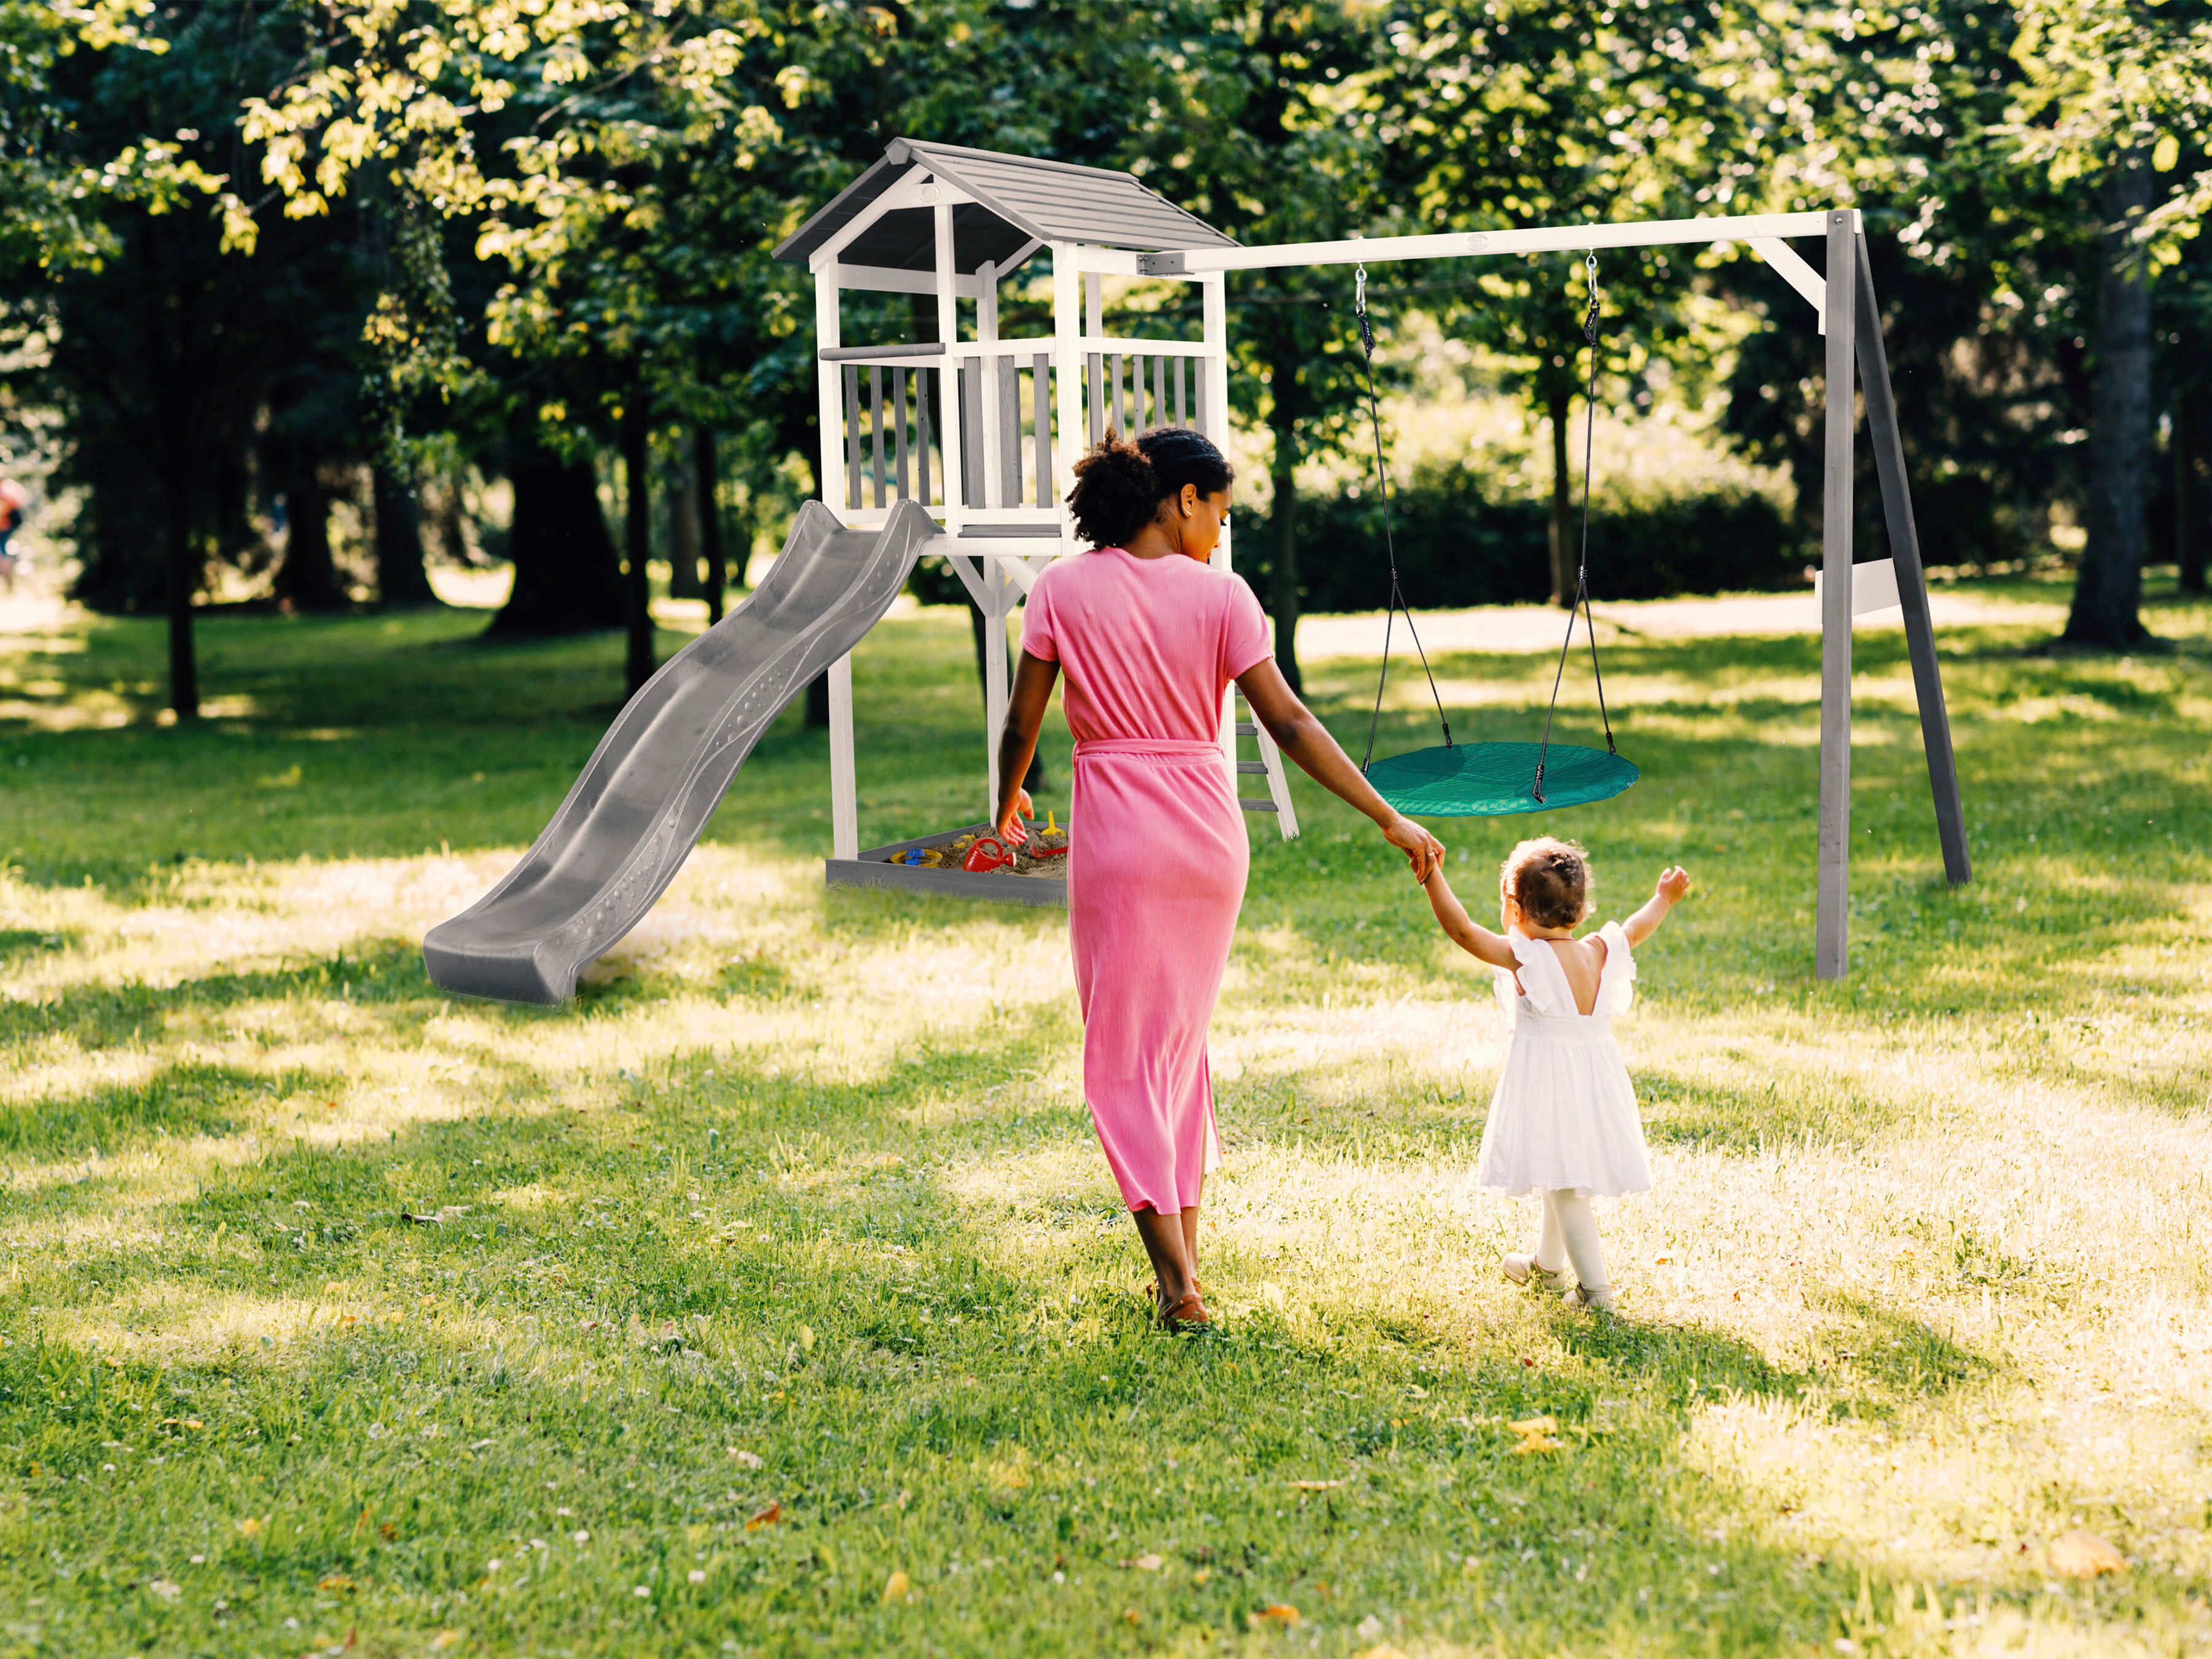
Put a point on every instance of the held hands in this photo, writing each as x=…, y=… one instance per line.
x=1673, y=883
x=1423, y=851
x=1010, y=826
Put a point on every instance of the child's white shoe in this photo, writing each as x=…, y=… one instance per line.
x=1522, y=1268
x=1581, y=1297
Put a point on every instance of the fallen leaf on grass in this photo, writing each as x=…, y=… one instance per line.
x=337, y=1581
x=444, y=1640
x=167, y=1589
x=746, y=1458
x=1145, y=1564
x=2084, y=1555
x=767, y=1517
x=896, y=1586
x=1315, y=1485
x=251, y=1525
x=1535, y=1426
x=1279, y=1612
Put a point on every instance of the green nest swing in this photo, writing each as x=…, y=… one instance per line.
x=1491, y=780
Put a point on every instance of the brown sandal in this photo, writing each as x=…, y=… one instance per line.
x=1189, y=1313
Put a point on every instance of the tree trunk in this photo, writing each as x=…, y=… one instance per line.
x=637, y=542
x=401, y=581
x=307, y=580
x=1557, y=407
x=683, y=497
x=183, y=581
x=1283, y=516
x=705, y=475
x=2109, y=589
x=2188, y=538
x=566, y=577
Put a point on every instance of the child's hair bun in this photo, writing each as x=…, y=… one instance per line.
x=1121, y=483
x=1549, y=880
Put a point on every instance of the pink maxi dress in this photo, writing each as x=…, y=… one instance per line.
x=1157, y=857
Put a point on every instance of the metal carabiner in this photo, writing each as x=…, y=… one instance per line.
x=1589, y=321
x=1359, y=290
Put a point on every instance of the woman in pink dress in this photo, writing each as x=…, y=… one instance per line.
x=1150, y=638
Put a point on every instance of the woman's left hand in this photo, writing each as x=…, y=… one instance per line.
x=1423, y=851
x=1010, y=827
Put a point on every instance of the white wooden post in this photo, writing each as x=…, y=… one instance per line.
x=1213, y=304
x=994, y=666
x=1067, y=377
x=844, y=791
x=1832, y=913
x=832, y=404
x=948, y=402
x=844, y=787
x=987, y=334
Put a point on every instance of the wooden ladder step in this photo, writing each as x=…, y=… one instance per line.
x=1259, y=767
x=1252, y=805
x=1246, y=729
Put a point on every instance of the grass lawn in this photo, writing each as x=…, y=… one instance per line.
x=775, y=1300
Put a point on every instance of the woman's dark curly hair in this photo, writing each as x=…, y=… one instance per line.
x=1119, y=484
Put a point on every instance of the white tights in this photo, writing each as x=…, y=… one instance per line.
x=1569, y=1234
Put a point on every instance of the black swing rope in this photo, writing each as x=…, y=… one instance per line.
x=1582, y=571
x=1382, y=482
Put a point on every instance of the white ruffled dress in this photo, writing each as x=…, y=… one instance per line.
x=1565, y=1113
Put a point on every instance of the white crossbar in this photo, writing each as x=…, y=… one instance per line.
x=1549, y=239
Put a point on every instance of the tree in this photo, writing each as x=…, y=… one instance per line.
x=1268, y=136
x=2109, y=93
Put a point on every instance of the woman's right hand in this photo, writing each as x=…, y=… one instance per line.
x=1423, y=851
x=1010, y=826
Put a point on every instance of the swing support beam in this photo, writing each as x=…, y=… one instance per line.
x=1849, y=317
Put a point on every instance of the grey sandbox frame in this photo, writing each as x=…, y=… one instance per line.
x=874, y=868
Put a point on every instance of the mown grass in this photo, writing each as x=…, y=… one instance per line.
x=688, y=1320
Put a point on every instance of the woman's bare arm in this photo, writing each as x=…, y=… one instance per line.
x=1307, y=741
x=1034, y=679
x=1470, y=935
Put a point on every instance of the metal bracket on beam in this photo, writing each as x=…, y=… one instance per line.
x=1170, y=263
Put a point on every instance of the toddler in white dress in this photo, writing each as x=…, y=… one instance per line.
x=1563, y=1124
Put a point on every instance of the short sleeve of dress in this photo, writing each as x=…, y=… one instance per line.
x=1616, y=986
x=1244, y=631
x=1037, y=622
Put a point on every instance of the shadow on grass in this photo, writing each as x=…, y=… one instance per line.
x=102, y=1016
x=190, y=1098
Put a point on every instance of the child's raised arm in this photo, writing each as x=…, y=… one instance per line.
x=1673, y=882
x=1471, y=936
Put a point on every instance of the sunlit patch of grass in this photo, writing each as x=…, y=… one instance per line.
x=786, y=1257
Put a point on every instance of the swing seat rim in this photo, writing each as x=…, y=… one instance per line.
x=1575, y=774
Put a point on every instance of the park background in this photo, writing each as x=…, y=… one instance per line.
x=390, y=381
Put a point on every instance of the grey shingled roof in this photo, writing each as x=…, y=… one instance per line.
x=1019, y=198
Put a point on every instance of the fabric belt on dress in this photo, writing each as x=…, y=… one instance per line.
x=1165, y=748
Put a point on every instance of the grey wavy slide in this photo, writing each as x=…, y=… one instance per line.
x=655, y=779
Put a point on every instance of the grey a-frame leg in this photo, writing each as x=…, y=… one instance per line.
x=1911, y=580
x=1853, y=342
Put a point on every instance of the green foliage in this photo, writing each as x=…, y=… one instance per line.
x=1459, y=544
